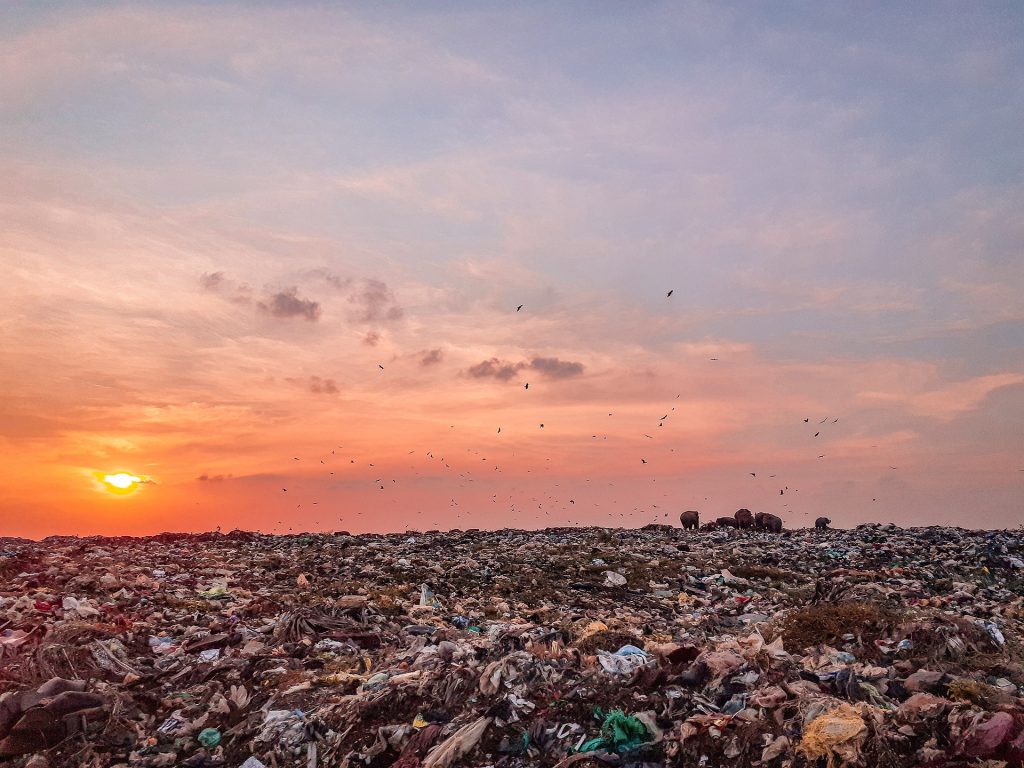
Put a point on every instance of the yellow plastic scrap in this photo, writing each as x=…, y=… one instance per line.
x=836, y=735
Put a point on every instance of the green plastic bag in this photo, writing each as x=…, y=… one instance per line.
x=209, y=737
x=619, y=733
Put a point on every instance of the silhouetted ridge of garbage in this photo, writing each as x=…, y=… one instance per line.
x=877, y=646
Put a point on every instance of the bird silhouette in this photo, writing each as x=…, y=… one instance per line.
x=669, y=293
x=519, y=307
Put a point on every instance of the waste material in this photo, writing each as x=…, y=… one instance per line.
x=568, y=646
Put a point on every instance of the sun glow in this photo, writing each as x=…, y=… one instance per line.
x=120, y=482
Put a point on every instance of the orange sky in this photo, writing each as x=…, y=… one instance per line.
x=210, y=247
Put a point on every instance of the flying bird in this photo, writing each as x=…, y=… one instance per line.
x=380, y=366
x=753, y=474
x=817, y=433
x=806, y=420
x=669, y=293
x=643, y=461
x=526, y=385
x=519, y=307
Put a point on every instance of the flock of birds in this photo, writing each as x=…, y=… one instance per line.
x=533, y=510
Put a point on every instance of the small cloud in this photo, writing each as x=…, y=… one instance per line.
x=335, y=281
x=322, y=386
x=213, y=478
x=501, y=370
x=315, y=384
x=211, y=281
x=431, y=357
x=375, y=303
x=371, y=339
x=287, y=304
x=555, y=368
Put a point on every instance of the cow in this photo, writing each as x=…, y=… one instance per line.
x=690, y=520
x=726, y=522
x=744, y=518
x=822, y=523
x=765, y=521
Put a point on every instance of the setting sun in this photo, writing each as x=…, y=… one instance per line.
x=120, y=482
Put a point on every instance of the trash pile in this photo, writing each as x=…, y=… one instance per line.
x=877, y=646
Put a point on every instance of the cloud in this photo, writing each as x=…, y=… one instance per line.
x=218, y=282
x=204, y=478
x=287, y=304
x=316, y=385
x=431, y=357
x=371, y=339
x=375, y=303
x=330, y=278
x=501, y=370
x=322, y=386
x=959, y=397
x=555, y=368
x=211, y=281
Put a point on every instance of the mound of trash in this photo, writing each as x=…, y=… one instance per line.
x=877, y=646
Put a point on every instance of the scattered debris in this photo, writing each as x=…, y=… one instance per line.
x=659, y=646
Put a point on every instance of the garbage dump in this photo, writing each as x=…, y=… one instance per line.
x=877, y=646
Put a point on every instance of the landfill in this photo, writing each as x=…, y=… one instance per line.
x=875, y=646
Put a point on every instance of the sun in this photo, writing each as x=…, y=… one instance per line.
x=121, y=483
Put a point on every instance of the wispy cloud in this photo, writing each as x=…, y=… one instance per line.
x=431, y=357
x=374, y=303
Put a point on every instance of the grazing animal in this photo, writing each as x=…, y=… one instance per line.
x=765, y=521
x=822, y=523
x=744, y=518
x=726, y=522
x=690, y=520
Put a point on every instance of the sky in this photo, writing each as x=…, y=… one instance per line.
x=268, y=258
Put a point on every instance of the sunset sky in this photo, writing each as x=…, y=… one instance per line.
x=246, y=246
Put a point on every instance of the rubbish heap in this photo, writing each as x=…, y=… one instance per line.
x=877, y=646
